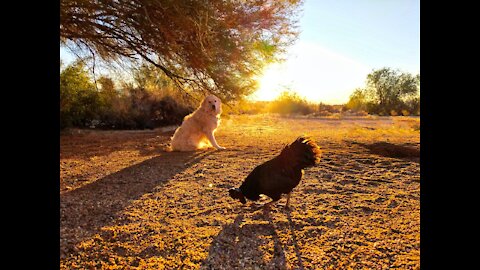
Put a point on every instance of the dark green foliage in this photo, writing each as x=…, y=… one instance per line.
x=388, y=92
x=79, y=100
x=82, y=105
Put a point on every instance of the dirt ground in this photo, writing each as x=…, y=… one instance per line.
x=128, y=204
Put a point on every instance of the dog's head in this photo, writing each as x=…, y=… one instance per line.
x=212, y=105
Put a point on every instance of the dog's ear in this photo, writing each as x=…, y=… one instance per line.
x=203, y=104
x=220, y=105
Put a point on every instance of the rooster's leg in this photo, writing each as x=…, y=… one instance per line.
x=268, y=205
x=274, y=198
x=288, y=200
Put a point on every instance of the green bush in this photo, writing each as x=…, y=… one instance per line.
x=357, y=101
x=79, y=100
x=388, y=92
x=82, y=105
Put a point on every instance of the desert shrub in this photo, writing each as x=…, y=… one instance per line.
x=322, y=107
x=322, y=113
x=141, y=109
x=355, y=113
x=290, y=103
x=374, y=108
x=413, y=105
x=361, y=113
x=168, y=111
x=134, y=107
x=245, y=106
x=357, y=101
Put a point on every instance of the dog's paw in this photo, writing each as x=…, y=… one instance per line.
x=221, y=148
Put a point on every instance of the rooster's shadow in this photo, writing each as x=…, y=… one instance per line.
x=241, y=244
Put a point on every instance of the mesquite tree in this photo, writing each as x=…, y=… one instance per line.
x=211, y=45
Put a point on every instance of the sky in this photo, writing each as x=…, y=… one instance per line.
x=340, y=42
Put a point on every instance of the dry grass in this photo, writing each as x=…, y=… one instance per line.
x=127, y=204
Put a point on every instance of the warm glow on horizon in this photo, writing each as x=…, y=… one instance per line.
x=313, y=72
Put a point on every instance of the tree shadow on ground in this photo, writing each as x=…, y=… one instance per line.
x=84, y=211
x=103, y=143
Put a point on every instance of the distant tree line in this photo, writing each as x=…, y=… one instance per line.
x=288, y=102
x=151, y=100
x=388, y=92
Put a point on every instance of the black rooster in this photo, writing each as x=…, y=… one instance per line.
x=279, y=175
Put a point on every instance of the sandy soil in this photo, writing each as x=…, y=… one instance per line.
x=127, y=204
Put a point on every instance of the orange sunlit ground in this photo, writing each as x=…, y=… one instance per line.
x=143, y=207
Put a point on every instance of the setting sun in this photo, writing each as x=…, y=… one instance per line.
x=269, y=87
x=315, y=73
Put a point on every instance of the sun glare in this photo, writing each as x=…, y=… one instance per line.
x=269, y=83
x=315, y=73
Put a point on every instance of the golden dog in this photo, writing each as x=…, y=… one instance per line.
x=198, y=128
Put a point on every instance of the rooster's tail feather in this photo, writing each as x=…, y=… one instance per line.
x=303, y=152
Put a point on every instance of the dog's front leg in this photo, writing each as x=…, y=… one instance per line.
x=212, y=140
